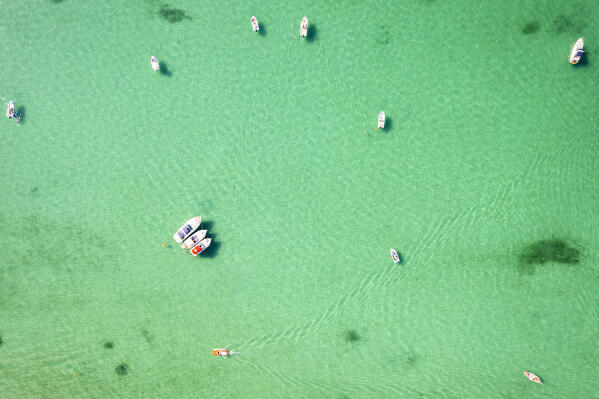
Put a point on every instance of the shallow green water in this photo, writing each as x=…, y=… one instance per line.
x=490, y=146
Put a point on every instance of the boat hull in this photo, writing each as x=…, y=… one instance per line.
x=394, y=256
x=155, y=64
x=201, y=246
x=381, y=121
x=255, y=25
x=10, y=110
x=304, y=27
x=577, y=51
x=533, y=377
x=187, y=229
x=194, y=239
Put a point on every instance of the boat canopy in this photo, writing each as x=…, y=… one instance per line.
x=185, y=230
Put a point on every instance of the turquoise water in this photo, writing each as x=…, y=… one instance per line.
x=490, y=146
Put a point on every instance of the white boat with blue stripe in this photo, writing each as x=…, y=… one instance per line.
x=194, y=239
x=577, y=51
x=187, y=229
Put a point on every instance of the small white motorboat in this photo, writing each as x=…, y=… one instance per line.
x=187, y=229
x=381, y=124
x=304, y=27
x=11, y=113
x=201, y=246
x=194, y=239
x=533, y=377
x=577, y=51
x=10, y=110
x=394, y=256
x=255, y=25
x=154, y=62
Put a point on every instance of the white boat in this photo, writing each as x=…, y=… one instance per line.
x=187, y=229
x=194, y=239
x=577, y=51
x=381, y=120
x=154, y=62
x=10, y=110
x=201, y=246
x=394, y=256
x=304, y=27
x=255, y=25
x=533, y=377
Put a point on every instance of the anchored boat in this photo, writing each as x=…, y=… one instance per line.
x=577, y=51
x=10, y=110
x=533, y=377
x=304, y=27
x=154, y=62
x=201, y=246
x=381, y=124
x=187, y=229
x=11, y=113
x=194, y=239
x=394, y=256
x=255, y=25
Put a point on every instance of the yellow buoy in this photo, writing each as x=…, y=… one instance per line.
x=74, y=373
x=163, y=244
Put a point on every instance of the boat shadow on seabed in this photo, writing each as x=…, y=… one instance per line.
x=388, y=124
x=164, y=69
x=21, y=114
x=212, y=250
x=262, y=31
x=312, y=33
x=402, y=259
x=584, y=61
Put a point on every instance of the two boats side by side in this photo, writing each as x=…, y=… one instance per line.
x=187, y=229
x=194, y=239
